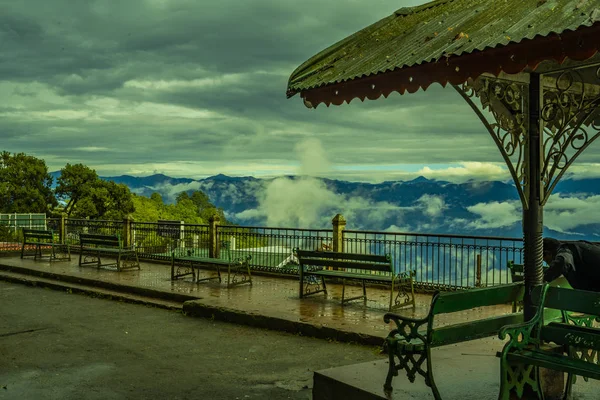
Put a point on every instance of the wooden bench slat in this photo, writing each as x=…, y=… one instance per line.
x=347, y=265
x=109, y=249
x=567, y=334
x=343, y=264
x=334, y=255
x=473, y=329
x=556, y=362
x=580, y=301
x=202, y=260
x=343, y=274
x=467, y=299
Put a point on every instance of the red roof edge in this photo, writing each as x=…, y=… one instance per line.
x=578, y=45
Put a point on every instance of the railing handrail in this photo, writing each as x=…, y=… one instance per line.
x=444, y=235
x=273, y=228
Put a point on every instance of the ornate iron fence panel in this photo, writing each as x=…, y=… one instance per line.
x=442, y=261
x=11, y=229
x=271, y=248
x=73, y=227
x=158, y=240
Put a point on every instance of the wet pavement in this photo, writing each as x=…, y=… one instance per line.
x=270, y=296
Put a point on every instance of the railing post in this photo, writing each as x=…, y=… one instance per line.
x=478, y=279
x=213, y=250
x=62, y=229
x=127, y=229
x=339, y=223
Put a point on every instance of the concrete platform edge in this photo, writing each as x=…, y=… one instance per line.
x=196, y=308
x=159, y=294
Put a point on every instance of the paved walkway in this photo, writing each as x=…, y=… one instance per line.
x=57, y=346
x=272, y=297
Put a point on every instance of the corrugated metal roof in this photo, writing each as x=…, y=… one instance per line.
x=443, y=28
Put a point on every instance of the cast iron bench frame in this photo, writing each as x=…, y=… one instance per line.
x=106, y=244
x=238, y=269
x=528, y=347
x=45, y=238
x=413, y=338
x=363, y=262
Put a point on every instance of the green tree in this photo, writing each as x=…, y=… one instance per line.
x=157, y=198
x=76, y=184
x=89, y=196
x=25, y=184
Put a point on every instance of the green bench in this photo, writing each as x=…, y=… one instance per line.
x=92, y=246
x=350, y=266
x=529, y=346
x=44, y=239
x=238, y=268
x=413, y=338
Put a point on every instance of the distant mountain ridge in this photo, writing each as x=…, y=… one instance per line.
x=423, y=205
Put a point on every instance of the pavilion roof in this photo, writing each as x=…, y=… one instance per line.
x=448, y=41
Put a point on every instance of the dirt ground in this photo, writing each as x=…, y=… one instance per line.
x=56, y=345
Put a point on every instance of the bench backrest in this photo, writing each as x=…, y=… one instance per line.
x=565, y=299
x=86, y=239
x=40, y=235
x=451, y=302
x=364, y=262
x=516, y=271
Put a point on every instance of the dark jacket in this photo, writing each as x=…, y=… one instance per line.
x=579, y=263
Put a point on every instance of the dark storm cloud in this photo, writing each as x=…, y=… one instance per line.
x=139, y=83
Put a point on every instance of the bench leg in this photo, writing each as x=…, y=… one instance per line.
x=404, y=297
x=307, y=284
x=411, y=362
x=236, y=268
x=519, y=379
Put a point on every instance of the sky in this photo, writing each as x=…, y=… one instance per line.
x=194, y=88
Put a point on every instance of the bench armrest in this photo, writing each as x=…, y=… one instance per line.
x=407, y=274
x=242, y=260
x=522, y=335
x=406, y=327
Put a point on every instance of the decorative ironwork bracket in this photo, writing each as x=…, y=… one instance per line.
x=569, y=120
x=507, y=102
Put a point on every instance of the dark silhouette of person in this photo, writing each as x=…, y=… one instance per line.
x=578, y=261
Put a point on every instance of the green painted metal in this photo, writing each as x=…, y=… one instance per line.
x=353, y=266
x=436, y=30
x=92, y=246
x=39, y=238
x=570, y=335
x=350, y=275
x=556, y=362
x=526, y=348
x=347, y=264
x=468, y=299
x=332, y=255
x=413, y=338
x=473, y=329
x=573, y=300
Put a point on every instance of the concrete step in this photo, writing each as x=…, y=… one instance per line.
x=119, y=287
x=465, y=371
x=94, y=291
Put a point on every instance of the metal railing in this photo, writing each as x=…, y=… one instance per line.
x=157, y=241
x=442, y=261
x=73, y=227
x=271, y=248
x=11, y=233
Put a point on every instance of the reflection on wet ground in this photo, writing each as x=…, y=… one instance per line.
x=269, y=295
